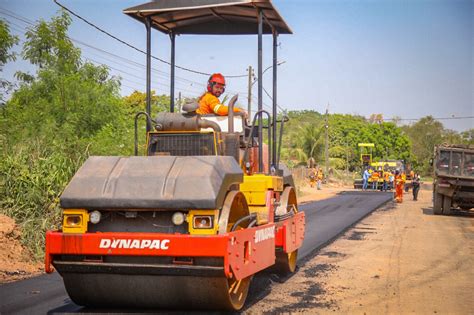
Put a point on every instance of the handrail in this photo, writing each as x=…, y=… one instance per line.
x=284, y=119
x=257, y=114
x=149, y=123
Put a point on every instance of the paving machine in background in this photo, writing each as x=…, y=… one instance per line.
x=366, y=150
x=453, y=182
x=209, y=206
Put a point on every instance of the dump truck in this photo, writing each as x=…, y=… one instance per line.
x=188, y=223
x=453, y=181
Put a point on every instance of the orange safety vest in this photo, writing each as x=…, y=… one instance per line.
x=375, y=176
x=386, y=176
x=320, y=174
x=210, y=104
x=399, y=180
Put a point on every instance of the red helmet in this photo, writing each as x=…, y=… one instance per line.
x=213, y=79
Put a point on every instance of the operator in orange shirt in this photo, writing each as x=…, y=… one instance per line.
x=209, y=102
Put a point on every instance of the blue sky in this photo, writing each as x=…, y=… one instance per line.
x=406, y=58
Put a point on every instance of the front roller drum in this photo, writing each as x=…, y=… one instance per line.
x=158, y=292
x=118, y=289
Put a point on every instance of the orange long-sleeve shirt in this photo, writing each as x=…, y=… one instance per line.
x=209, y=104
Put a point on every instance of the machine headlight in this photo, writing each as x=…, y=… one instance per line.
x=73, y=220
x=178, y=218
x=95, y=216
x=203, y=222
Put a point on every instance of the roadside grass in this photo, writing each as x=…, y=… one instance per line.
x=32, y=179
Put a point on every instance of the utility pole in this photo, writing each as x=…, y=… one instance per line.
x=326, y=150
x=179, y=102
x=347, y=160
x=249, y=99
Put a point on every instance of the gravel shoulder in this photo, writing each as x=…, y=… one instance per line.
x=400, y=259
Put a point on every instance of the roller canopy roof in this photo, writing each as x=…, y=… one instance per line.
x=210, y=17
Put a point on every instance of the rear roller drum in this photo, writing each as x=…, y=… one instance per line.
x=235, y=207
x=286, y=262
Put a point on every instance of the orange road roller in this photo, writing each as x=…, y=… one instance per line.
x=208, y=205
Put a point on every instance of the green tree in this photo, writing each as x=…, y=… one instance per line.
x=136, y=102
x=424, y=134
x=468, y=136
x=58, y=116
x=7, y=41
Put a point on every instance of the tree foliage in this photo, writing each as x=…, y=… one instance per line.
x=65, y=111
x=305, y=138
x=426, y=133
x=7, y=41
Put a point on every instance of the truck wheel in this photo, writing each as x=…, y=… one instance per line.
x=447, y=205
x=437, y=203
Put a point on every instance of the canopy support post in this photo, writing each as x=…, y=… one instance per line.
x=274, y=113
x=260, y=90
x=172, y=37
x=148, y=70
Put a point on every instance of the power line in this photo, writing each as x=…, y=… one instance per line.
x=18, y=28
x=271, y=98
x=132, y=62
x=135, y=48
x=435, y=118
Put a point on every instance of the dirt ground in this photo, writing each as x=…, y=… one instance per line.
x=15, y=261
x=401, y=259
x=307, y=194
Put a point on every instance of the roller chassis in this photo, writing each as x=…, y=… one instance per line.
x=244, y=252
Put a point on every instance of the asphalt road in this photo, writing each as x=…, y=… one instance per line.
x=325, y=221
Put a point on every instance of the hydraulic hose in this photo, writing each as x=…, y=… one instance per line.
x=249, y=217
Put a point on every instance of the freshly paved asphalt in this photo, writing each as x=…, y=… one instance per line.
x=325, y=221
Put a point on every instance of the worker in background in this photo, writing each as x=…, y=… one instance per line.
x=209, y=102
x=386, y=180
x=365, y=179
x=416, y=180
x=404, y=176
x=399, y=183
x=320, y=177
x=312, y=177
x=375, y=179
x=391, y=180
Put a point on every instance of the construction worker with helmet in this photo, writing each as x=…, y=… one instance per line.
x=319, y=178
x=386, y=180
x=312, y=176
x=399, y=183
x=209, y=102
x=375, y=179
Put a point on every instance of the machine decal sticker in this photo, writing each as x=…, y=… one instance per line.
x=131, y=244
x=264, y=234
